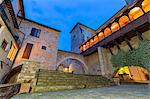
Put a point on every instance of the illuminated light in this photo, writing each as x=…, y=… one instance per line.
x=123, y=21
x=87, y=45
x=101, y=36
x=121, y=69
x=107, y=31
x=66, y=70
x=115, y=27
x=81, y=48
x=146, y=5
x=135, y=13
x=96, y=39
x=91, y=42
x=84, y=47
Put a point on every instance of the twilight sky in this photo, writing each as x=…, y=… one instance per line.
x=64, y=14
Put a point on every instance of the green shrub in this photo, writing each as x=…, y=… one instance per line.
x=136, y=57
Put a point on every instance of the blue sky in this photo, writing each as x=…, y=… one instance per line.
x=64, y=14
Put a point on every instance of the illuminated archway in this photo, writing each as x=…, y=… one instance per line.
x=81, y=48
x=115, y=27
x=84, y=47
x=87, y=45
x=135, y=13
x=67, y=63
x=123, y=21
x=101, y=36
x=146, y=5
x=107, y=31
x=95, y=39
x=91, y=42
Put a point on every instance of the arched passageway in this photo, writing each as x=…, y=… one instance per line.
x=71, y=65
x=13, y=74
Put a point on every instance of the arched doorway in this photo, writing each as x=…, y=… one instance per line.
x=71, y=65
x=132, y=73
x=13, y=74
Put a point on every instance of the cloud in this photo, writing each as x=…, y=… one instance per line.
x=64, y=14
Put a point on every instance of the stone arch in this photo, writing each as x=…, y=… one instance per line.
x=124, y=20
x=85, y=67
x=135, y=13
x=12, y=75
x=115, y=26
x=146, y=5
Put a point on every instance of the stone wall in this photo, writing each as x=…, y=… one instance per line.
x=125, y=56
x=8, y=90
x=104, y=61
x=7, y=36
x=93, y=64
x=4, y=69
x=64, y=55
x=48, y=37
x=76, y=39
x=28, y=72
x=79, y=35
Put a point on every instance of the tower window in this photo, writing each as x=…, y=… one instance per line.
x=44, y=47
x=35, y=32
x=4, y=44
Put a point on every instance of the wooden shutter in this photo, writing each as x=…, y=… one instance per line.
x=27, y=51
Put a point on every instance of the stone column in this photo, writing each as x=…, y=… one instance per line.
x=101, y=61
x=105, y=63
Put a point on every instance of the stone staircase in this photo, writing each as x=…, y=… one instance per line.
x=54, y=81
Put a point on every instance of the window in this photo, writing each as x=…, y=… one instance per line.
x=13, y=51
x=4, y=45
x=44, y=47
x=27, y=51
x=4, y=14
x=35, y=32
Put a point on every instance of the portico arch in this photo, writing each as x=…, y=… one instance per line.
x=77, y=59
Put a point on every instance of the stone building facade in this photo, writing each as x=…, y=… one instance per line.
x=36, y=42
x=44, y=42
x=79, y=34
x=9, y=38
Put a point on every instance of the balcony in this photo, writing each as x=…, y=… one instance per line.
x=140, y=25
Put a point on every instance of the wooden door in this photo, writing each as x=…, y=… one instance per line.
x=27, y=51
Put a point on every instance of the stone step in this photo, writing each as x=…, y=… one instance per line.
x=42, y=88
x=53, y=81
x=75, y=83
x=67, y=76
